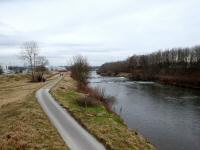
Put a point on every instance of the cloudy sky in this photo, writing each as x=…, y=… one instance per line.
x=102, y=30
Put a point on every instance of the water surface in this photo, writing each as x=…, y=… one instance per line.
x=169, y=117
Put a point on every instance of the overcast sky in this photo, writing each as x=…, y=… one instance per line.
x=103, y=30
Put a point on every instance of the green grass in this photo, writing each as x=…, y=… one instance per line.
x=107, y=126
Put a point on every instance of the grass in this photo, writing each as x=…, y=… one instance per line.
x=23, y=124
x=107, y=127
x=15, y=87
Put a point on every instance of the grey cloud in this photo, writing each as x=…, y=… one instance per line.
x=101, y=30
x=7, y=41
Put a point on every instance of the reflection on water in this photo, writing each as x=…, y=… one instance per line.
x=168, y=116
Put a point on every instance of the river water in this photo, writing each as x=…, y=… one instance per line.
x=169, y=117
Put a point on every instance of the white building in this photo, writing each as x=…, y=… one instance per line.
x=5, y=69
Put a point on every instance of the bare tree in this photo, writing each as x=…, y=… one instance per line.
x=181, y=60
x=80, y=70
x=41, y=61
x=29, y=53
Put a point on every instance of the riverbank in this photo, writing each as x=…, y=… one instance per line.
x=160, y=112
x=179, y=80
x=106, y=126
x=23, y=124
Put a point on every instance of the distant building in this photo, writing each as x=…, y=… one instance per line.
x=61, y=69
x=12, y=69
x=6, y=69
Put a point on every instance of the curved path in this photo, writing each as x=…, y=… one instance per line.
x=74, y=135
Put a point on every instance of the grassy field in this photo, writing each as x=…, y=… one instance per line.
x=106, y=126
x=15, y=88
x=23, y=124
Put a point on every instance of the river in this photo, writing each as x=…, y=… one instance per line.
x=169, y=117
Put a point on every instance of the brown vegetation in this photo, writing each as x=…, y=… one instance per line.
x=87, y=101
x=23, y=124
x=16, y=87
x=98, y=94
x=80, y=70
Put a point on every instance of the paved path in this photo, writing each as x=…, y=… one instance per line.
x=74, y=135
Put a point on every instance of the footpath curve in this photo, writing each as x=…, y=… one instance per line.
x=73, y=134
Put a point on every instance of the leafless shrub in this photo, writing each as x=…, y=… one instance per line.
x=99, y=94
x=87, y=101
x=80, y=70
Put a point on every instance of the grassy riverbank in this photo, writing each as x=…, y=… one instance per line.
x=106, y=126
x=23, y=124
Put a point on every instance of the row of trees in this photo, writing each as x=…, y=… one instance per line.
x=180, y=58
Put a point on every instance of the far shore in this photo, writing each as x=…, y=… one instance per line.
x=179, y=81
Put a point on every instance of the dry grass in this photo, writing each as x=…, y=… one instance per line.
x=23, y=124
x=105, y=125
x=15, y=87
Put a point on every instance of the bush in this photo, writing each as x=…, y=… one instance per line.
x=80, y=70
x=39, y=77
x=99, y=94
x=87, y=101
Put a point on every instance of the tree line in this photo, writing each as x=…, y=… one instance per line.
x=181, y=60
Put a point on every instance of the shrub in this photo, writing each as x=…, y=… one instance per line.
x=39, y=77
x=87, y=101
x=99, y=94
x=80, y=70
